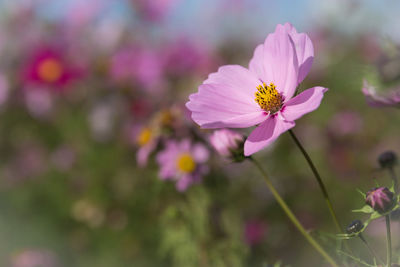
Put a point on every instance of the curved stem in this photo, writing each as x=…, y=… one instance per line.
x=319, y=180
x=371, y=251
x=292, y=217
x=389, y=242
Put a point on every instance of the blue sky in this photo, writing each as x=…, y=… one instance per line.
x=206, y=20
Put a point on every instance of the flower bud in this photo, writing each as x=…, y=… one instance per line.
x=354, y=227
x=380, y=199
x=228, y=144
x=387, y=159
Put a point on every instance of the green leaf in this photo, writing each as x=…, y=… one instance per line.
x=361, y=192
x=365, y=209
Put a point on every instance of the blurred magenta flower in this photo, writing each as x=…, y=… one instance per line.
x=374, y=100
x=186, y=55
x=183, y=162
x=229, y=144
x=236, y=97
x=145, y=67
x=49, y=67
x=254, y=231
x=34, y=258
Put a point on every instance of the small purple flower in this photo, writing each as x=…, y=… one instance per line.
x=183, y=162
x=229, y=144
x=392, y=99
x=380, y=199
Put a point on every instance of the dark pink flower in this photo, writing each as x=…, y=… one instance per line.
x=49, y=67
x=263, y=95
x=183, y=162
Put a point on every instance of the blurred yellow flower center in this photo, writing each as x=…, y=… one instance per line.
x=268, y=98
x=50, y=70
x=185, y=163
x=144, y=137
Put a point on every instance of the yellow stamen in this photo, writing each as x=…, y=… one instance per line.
x=185, y=163
x=268, y=98
x=50, y=70
x=144, y=137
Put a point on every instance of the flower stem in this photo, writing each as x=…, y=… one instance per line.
x=319, y=180
x=374, y=255
x=292, y=217
x=389, y=242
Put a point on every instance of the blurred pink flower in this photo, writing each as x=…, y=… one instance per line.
x=143, y=66
x=183, y=162
x=390, y=100
x=153, y=10
x=147, y=140
x=49, y=67
x=34, y=258
x=345, y=123
x=227, y=142
x=38, y=101
x=185, y=56
x=236, y=97
x=4, y=89
x=254, y=232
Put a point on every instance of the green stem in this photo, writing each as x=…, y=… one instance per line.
x=319, y=180
x=389, y=242
x=374, y=255
x=292, y=217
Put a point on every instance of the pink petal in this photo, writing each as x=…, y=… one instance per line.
x=280, y=62
x=200, y=153
x=221, y=105
x=237, y=77
x=265, y=134
x=304, y=50
x=256, y=64
x=303, y=103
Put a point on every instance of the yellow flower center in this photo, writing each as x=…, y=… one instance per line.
x=185, y=163
x=50, y=70
x=144, y=137
x=268, y=98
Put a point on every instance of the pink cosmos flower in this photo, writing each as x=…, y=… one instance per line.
x=263, y=95
x=183, y=162
x=374, y=100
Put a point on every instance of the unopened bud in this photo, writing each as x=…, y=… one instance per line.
x=387, y=159
x=228, y=144
x=380, y=199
